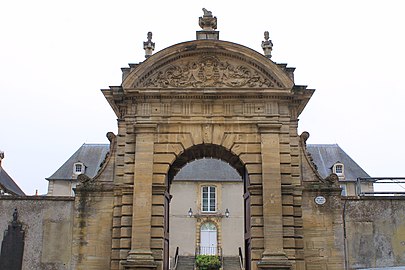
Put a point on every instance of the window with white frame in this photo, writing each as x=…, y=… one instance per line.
x=78, y=168
x=208, y=199
x=338, y=169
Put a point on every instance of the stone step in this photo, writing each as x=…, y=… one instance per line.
x=185, y=263
x=231, y=263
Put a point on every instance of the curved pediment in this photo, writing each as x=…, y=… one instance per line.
x=207, y=64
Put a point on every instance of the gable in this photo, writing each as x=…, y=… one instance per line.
x=207, y=64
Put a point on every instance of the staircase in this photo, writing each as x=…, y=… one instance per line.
x=231, y=263
x=185, y=263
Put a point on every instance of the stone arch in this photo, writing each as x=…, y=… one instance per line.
x=206, y=150
x=220, y=152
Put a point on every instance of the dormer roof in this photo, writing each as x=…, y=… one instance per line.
x=8, y=185
x=91, y=155
x=326, y=155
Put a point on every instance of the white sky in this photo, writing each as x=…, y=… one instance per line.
x=56, y=55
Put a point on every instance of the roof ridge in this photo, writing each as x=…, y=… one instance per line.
x=93, y=144
x=324, y=144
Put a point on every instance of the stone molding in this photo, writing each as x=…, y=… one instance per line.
x=269, y=128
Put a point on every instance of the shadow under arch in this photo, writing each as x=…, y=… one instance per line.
x=200, y=151
x=218, y=152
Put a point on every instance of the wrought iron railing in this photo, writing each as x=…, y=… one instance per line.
x=176, y=258
x=389, y=186
x=208, y=250
x=241, y=258
x=204, y=250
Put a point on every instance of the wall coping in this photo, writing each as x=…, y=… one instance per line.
x=37, y=198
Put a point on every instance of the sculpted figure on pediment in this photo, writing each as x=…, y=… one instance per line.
x=208, y=71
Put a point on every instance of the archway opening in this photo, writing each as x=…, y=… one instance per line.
x=208, y=187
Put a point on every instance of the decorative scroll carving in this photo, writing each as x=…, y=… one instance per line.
x=208, y=71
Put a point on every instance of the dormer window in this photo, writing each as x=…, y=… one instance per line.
x=78, y=168
x=338, y=169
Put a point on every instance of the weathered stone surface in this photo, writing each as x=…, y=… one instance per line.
x=47, y=222
x=375, y=230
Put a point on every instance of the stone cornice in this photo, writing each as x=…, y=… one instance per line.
x=139, y=95
x=147, y=128
x=270, y=127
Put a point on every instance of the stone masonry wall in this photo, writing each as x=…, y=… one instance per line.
x=375, y=231
x=47, y=222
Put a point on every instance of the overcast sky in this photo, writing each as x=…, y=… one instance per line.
x=55, y=56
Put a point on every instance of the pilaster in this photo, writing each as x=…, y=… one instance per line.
x=140, y=256
x=273, y=256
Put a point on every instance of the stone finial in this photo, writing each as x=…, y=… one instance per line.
x=149, y=46
x=267, y=45
x=207, y=22
x=1, y=156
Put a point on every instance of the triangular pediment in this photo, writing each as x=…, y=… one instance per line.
x=207, y=67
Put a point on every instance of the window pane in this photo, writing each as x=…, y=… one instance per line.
x=78, y=167
x=208, y=202
x=205, y=205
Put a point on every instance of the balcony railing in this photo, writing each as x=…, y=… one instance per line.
x=208, y=250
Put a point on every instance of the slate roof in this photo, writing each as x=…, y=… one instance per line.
x=8, y=183
x=326, y=155
x=91, y=155
x=208, y=169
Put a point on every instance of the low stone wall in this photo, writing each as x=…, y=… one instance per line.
x=353, y=232
x=375, y=231
x=47, y=222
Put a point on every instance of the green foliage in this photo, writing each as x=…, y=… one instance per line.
x=206, y=262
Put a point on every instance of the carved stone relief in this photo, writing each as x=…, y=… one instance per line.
x=208, y=71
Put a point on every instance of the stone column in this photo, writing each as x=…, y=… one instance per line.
x=274, y=256
x=140, y=256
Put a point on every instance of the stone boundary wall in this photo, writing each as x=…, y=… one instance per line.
x=47, y=222
x=375, y=231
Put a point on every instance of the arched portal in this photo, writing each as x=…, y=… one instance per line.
x=213, y=198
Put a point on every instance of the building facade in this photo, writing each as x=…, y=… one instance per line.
x=151, y=192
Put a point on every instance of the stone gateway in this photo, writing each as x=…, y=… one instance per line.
x=200, y=99
x=207, y=161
